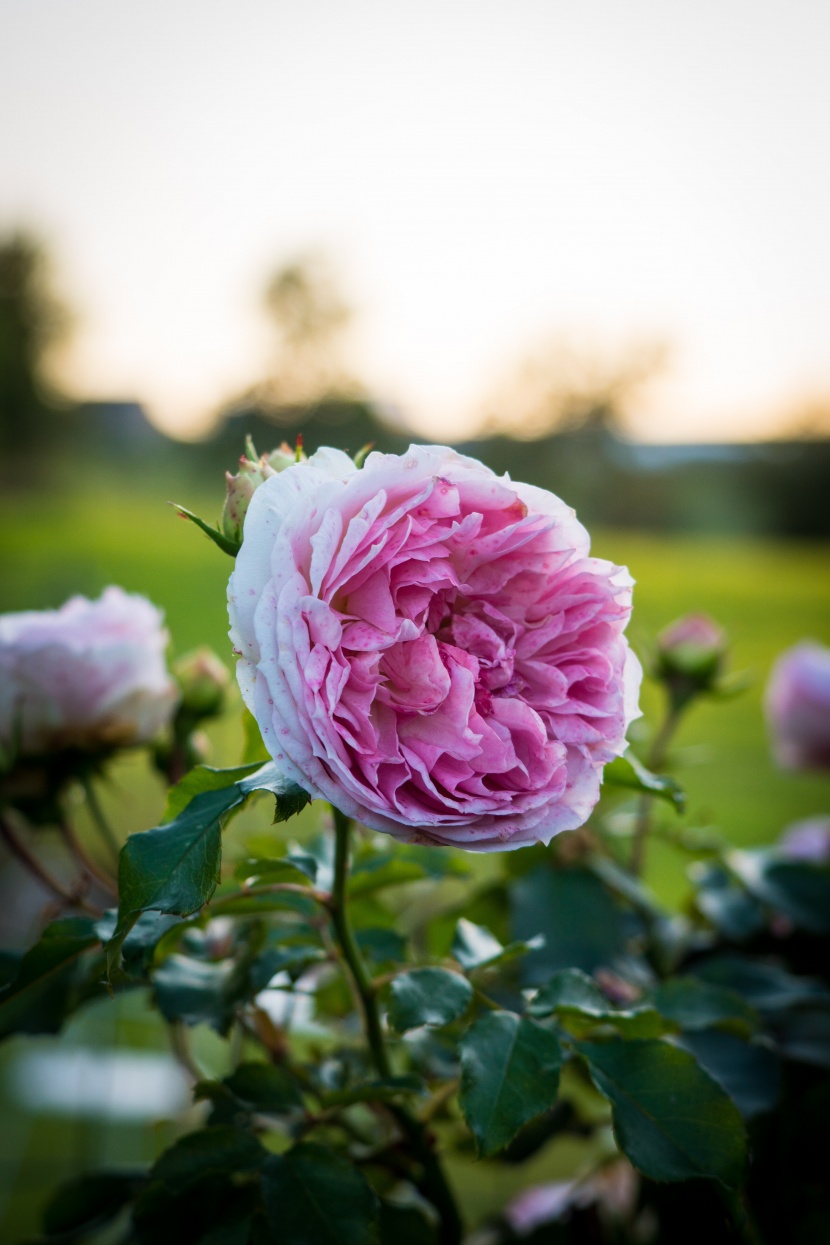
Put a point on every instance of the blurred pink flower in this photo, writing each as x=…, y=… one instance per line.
x=807, y=840
x=797, y=703
x=89, y=676
x=431, y=648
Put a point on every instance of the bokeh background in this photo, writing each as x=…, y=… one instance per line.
x=586, y=243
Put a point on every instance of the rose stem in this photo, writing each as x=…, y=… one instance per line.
x=43, y=875
x=434, y=1184
x=656, y=760
x=84, y=859
x=104, y=827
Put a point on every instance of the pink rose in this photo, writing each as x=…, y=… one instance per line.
x=431, y=648
x=797, y=703
x=90, y=675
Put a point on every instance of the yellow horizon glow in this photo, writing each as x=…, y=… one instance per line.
x=482, y=177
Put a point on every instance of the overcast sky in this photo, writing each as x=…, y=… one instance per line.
x=483, y=175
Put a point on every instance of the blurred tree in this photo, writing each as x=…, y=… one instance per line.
x=309, y=316
x=563, y=388
x=307, y=388
x=32, y=322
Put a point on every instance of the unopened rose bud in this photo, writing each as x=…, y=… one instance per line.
x=797, y=704
x=241, y=487
x=690, y=656
x=203, y=680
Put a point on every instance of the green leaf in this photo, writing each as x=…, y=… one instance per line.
x=509, y=1074
x=37, y=999
x=231, y=547
x=199, y=992
x=766, y=986
x=671, y=1119
x=381, y=945
x=264, y=1089
x=749, y=1071
x=405, y=1225
x=627, y=771
x=378, y=873
x=315, y=1197
x=718, y=897
x=803, y=1035
x=201, y=1189
x=280, y=867
x=694, y=1004
x=799, y=889
x=582, y=924
x=85, y=1204
x=175, y=867
x=580, y=1006
x=427, y=996
x=210, y=1151
x=390, y=1089
x=475, y=947
x=200, y=779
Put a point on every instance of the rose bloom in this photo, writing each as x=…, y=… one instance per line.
x=797, y=703
x=430, y=647
x=90, y=676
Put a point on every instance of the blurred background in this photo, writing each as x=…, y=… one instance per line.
x=585, y=243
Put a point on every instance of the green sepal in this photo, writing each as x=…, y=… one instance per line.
x=231, y=547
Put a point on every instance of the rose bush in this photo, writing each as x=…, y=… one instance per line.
x=90, y=676
x=431, y=647
x=797, y=704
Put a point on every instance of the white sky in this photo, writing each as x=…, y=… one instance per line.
x=482, y=175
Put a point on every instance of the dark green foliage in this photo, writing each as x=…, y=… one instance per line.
x=261, y=1088
x=750, y=1072
x=204, y=1184
x=695, y=1004
x=175, y=867
x=427, y=996
x=49, y=979
x=582, y=924
x=670, y=1118
x=509, y=1074
x=314, y=1197
x=580, y=1006
x=627, y=771
x=88, y=1203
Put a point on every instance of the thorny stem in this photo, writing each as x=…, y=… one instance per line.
x=17, y=846
x=656, y=760
x=83, y=858
x=180, y=1046
x=350, y=950
x=271, y=888
x=433, y=1184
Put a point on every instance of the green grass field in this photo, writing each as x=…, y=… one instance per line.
x=767, y=596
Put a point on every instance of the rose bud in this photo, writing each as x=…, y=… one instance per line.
x=432, y=648
x=89, y=677
x=797, y=704
x=253, y=471
x=203, y=680
x=690, y=656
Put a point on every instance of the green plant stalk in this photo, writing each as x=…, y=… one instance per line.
x=655, y=762
x=99, y=818
x=434, y=1183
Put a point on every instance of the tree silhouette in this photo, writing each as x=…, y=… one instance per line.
x=32, y=322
